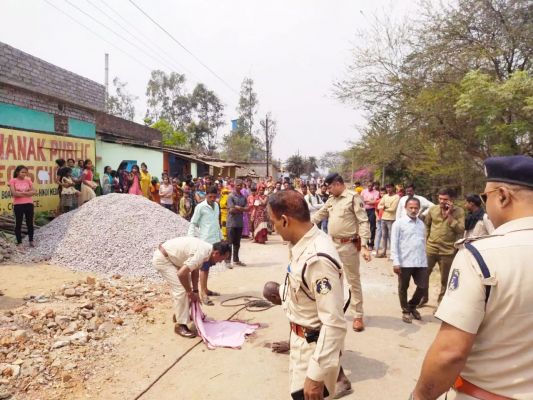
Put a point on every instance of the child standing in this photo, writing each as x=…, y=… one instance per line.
x=69, y=194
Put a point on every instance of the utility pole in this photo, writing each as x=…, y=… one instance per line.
x=267, y=141
x=106, y=77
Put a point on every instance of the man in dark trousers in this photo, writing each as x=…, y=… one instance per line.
x=237, y=205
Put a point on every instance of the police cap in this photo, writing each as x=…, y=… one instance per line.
x=331, y=177
x=517, y=170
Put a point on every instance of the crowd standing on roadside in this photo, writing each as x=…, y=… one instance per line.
x=471, y=246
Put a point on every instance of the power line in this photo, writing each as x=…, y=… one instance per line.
x=116, y=33
x=98, y=35
x=141, y=35
x=184, y=48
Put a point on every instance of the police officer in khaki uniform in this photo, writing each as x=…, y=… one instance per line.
x=348, y=226
x=312, y=298
x=178, y=261
x=485, y=344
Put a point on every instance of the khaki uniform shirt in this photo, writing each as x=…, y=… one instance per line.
x=189, y=251
x=320, y=306
x=501, y=360
x=389, y=204
x=441, y=234
x=347, y=216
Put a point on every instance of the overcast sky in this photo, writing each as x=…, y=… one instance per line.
x=292, y=49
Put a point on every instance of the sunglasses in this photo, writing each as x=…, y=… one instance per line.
x=484, y=196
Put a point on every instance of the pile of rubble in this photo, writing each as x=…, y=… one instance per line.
x=7, y=249
x=111, y=234
x=48, y=344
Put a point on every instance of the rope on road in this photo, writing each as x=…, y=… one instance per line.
x=249, y=303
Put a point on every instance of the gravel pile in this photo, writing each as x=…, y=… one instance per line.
x=111, y=234
x=7, y=249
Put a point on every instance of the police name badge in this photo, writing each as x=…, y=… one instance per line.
x=454, y=280
x=323, y=286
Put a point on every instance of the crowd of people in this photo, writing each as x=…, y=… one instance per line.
x=476, y=285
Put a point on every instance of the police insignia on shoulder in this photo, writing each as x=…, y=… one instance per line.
x=323, y=286
x=454, y=280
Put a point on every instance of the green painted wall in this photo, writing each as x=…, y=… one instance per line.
x=81, y=128
x=24, y=118
x=112, y=154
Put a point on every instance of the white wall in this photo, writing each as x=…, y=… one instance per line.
x=112, y=154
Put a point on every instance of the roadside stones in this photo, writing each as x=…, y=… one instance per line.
x=80, y=239
x=54, y=346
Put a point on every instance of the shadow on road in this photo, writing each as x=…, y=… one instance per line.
x=362, y=368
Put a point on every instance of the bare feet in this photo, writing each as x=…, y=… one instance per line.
x=281, y=347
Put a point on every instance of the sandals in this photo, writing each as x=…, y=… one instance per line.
x=205, y=300
x=211, y=293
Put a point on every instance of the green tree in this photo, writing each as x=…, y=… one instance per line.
x=431, y=117
x=247, y=108
x=121, y=104
x=295, y=165
x=167, y=98
x=208, y=112
x=171, y=137
x=238, y=147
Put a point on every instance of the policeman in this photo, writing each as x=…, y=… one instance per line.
x=349, y=228
x=178, y=260
x=485, y=344
x=312, y=297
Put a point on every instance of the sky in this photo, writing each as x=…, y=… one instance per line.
x=293, y=50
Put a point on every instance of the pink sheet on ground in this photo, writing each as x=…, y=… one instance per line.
x=220, y=333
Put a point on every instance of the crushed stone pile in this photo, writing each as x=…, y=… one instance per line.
x=109, y=235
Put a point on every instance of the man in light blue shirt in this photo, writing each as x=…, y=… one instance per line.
x=408, y=251
x=205, y=224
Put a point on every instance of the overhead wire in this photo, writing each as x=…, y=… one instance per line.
x=98, y=35
x=183, y=47
x=117, y=33
x=141, y=36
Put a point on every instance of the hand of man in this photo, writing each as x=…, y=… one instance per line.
x=313, y=390
x=366, y=254
x=396, y=269
x=193, y=297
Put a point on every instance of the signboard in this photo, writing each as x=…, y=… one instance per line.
x=38, y=152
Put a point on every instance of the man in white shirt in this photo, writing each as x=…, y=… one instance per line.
x=178, y=261
x=205, y=224
x=410, y=192
x=408, y=250
x=314, y=202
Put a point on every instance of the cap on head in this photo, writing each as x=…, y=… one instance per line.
x=331, y=177
x=516, y=170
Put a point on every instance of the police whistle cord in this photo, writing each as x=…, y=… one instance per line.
x=248, y=303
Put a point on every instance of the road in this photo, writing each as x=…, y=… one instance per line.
x=382, y=362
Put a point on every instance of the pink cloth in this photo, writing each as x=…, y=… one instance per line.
x=220, y=333
x=22, y=185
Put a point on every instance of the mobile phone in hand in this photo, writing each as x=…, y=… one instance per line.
x=299, y=394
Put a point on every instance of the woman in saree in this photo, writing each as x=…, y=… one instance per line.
x=259, y=219
x=223, y=204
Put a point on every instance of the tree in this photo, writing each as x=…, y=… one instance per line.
x=167, y=99
x=295, y=165
x=238, y=147
x=208, y=111
x=247, y=108
x=171, y=137
x=121, y=104
x=430, y=116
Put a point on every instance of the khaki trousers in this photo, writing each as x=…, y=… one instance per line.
x=299, y=357
x=350, y=260
x=180, y=300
